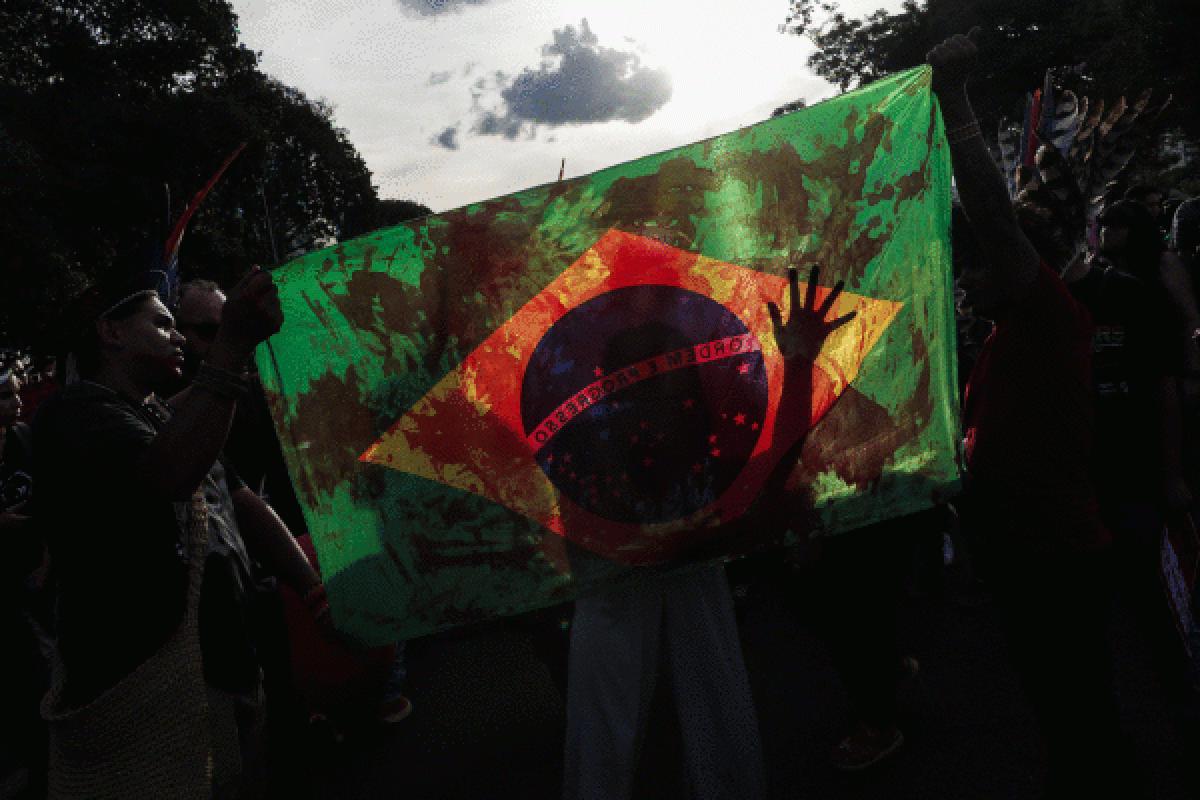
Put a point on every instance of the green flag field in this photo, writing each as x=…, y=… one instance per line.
x=533, y=398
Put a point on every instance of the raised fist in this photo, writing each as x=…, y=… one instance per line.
x=252, y=312
x=953, y=61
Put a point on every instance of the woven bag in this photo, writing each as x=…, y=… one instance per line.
x=148, y=736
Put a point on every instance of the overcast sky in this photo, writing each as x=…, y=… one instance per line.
x=456, y=101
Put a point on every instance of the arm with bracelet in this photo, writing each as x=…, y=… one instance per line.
x=177, y=460
x=1010, y=263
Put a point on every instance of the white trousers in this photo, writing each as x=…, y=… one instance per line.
x=616, y=640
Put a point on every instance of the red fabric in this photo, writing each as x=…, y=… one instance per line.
x=32, y=394
x=331, y=678
x=1028, y=412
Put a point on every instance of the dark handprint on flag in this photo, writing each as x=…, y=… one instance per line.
x=634, y=406
x=800, y=340
x=806, y=330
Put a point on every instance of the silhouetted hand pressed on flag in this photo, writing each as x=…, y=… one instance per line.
x=806, y=330
x=800, y=340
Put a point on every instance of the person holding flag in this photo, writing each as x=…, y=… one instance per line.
x=157, y=689
x=687, y=617
x=1029, y=507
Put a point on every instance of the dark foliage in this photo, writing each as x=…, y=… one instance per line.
x=1127, y=45
x=787, y=108
x=389, y=213
x=113, y=113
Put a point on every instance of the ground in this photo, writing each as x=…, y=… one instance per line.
x=488, y=716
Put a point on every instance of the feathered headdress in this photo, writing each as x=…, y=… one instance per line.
x=1068, y=150
x=162, y=265
x=156, y=268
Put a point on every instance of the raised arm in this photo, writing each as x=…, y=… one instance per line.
x=800, y=340
x=1011, y=263
x=179, y=457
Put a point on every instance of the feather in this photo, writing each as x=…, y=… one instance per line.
x=1064, y=125
x=1088, y=128
x=1071, y=150
x=171, y=250
x=170, y=258
x=1025, y=132
x=1032, y=124
x=1049, y=104
x=1115, y=149
x=1008, y=139
x=1083, y=113
x=1119, y=125
x=1110, y=119
x=1081, y=151
x=1055, y=173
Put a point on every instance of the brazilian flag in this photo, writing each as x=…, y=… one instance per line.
x=537, y=397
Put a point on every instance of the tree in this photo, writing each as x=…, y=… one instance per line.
x=787, y=108
x=1127, y=45
x=390, y=213
x=304, y=184
x=114, y=112
x=37, y=272
x=143, y=47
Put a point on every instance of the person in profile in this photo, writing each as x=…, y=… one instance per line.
x=1030, y=509
x=157, y=689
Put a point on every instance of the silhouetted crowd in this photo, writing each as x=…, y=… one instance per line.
x=148, y=516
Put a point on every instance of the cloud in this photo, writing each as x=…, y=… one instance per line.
x=579, y=83
x=490, y=123
x=432, y=8
x=588, y=84
x=447, y=138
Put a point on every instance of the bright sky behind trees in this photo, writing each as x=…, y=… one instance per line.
x=456, y=101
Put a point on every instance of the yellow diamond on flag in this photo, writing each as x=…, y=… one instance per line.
x=622, y=405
